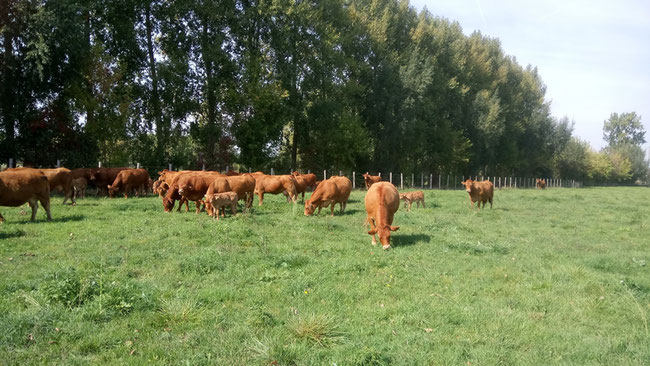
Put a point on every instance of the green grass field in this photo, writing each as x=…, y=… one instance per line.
x=559, y=276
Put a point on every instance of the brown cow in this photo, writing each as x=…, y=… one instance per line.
x=190, y=186
x=310, y=178
x=382, y=201
x=81, y=173
x=61, y=178
x=371, y=179
x=79, y=185
x=479, y=192
x=219, y=201
x=301, y=186
x=244, y=186
x=18, y=186
x=540, y=183
x=331, y=191
x=127, y=181
x=274, y=184
x=410, y=197
x=102, y=177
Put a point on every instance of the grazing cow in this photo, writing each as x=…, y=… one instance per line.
x=18, y=186
x=410, y=197
x=191, y=187
x=479, y=192
x=274, y=184
x=540, y=183
x=79, y=185
x=128, y=180
x=61, y=178
x=102, y=177
x=329, y=192
x=371, y=179
x=382, y=201
x=219, y=201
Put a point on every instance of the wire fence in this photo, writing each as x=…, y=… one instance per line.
x=402, y=181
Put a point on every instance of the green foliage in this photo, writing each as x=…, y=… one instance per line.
x=624, y=129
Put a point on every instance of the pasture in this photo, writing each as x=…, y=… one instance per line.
x=559, y=276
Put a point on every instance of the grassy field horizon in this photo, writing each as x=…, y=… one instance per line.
x=557, y=276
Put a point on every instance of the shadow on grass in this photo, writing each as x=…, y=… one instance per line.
x=14, y=234
x=410, y=239
x=55, y=219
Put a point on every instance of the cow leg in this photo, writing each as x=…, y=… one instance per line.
x=261, y=196
x=303, y=197
x=45, y=202
x=332, y=208
x=198, y=206
x=127, y=190
x=233, y=208
x=2, y=218
x=373, y=227
x=33, y=203
x=423, y=206
x=490, y=202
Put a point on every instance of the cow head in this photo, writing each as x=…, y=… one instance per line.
x=469, y=185
x=93, y=174
x=168, y=204
x=111, y=191
x=384, y=234
x=309, y=208
x=209, y=208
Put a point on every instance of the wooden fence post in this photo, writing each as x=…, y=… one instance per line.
x=447, y=181
x=203, y=167
x=390, y=177
x=430, y=181
x=439, y=181
x=324, y=174
x=170, y=167
x=11, y=163
x=354, y=180
x=401, y=181
x=272, y=172
x=137, y=165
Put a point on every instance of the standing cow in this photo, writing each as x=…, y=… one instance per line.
x=480, y=192
x=382, y=201
x=18, y=186
x=369, y=180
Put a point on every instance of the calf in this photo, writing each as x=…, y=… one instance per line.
x=79, y=185
x=18, y=186
x=479, y=192
x=222, y=200
x=410, y=197
x=128, y=180
x=382, y=201
x=371, y=179
x=540, y=183
x=218, y=185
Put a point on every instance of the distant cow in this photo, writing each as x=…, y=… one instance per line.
x=79, y=185
x=371, y=179
x=222, y=200
x=274, y=184
x=61, y=178
x=382, y=201
x=18, y=186
x=127, y=181
x=102, y=177
x=479, y=192
x=329, y=192
x=310, y=179
x=540, y=183
x=410, y=197
x=301, y=184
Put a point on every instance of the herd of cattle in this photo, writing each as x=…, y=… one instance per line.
x=215, y=191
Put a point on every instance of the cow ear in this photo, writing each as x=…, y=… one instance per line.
x=393, y=228
x=372, y=232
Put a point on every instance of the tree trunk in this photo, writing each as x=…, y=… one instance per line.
x=211, y=132
x=8, y=104
x=161, y=131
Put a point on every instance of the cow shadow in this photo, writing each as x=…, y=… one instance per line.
x=409, y=239
x=13, y=234
x=56, y=219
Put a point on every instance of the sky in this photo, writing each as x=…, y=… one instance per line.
x=593, y=56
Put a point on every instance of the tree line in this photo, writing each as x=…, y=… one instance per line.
x=334, y=84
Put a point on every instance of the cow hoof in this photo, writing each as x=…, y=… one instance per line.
x=386, y=247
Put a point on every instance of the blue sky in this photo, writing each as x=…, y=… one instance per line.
x=593, y=56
